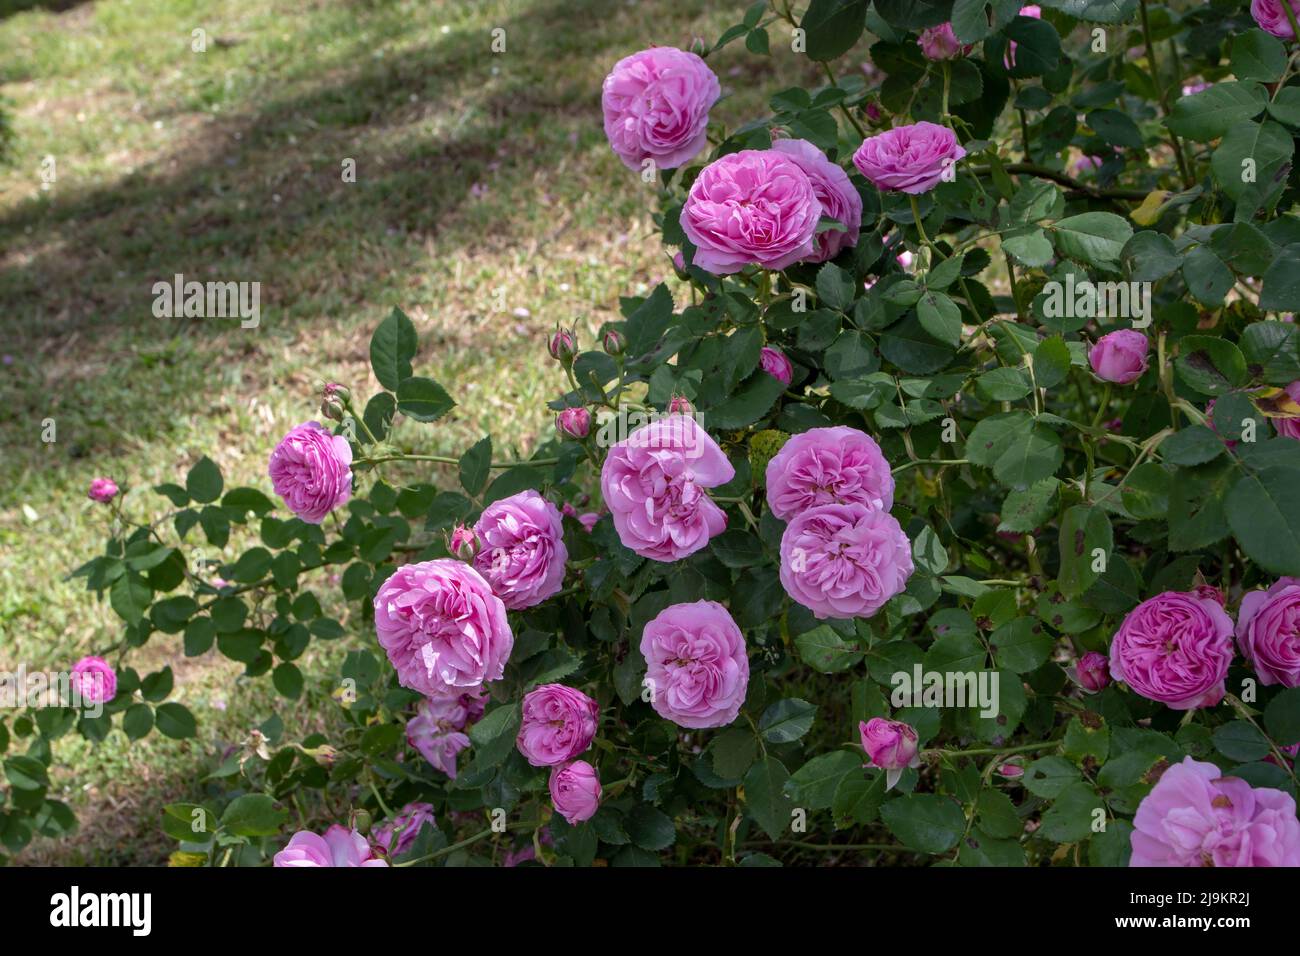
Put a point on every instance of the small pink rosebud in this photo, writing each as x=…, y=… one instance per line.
x=1211, y=593
x=1120, y=356
x=1011, y=771
x=890, y=745
x=563, y=345
x=679, y=263
x=463, y=543
x=613, y=342
x=102, y=490
x=334, y=401
x=679, y=405
x=774, y=363
x=873, y=111
x=573, y=422
x=1092, y=672
x=698, y=46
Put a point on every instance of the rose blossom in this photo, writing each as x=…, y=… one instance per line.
x=102, y=490
x=890, y=745
x=408, y=823
x=575, y=791
x=311, y=470
x=844, y=560
x=1289, y=427
x=910, y=159
x=338, y=847
x=825, y=466
x=573, y=422
x=656, y=106
x=654, y=485
x=1271, y=16
x=523, y=550
x=95, y=679
x=940, y=43
x=774, y=363
x=436, y=734
x=558, y=724
x=697, y=667
x=752, y=206
x=833, y=190
x=1091, y=672
x=442, y=626
x=1195, y=816
x=1268, y=632
x=1174, y=648
x=1120, y=356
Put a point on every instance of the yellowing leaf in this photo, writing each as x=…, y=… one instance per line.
x=1151, y=208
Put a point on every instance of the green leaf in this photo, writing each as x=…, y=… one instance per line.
x=392, y=347
x=26, y=773
x=1210, y=364
x=1211, y=113
x=1281, y=289
x=476, y=465
x=649, y=321
x=1051, y=362
x=423, y=399
x=786, y=720
x=287, y=680
x=751, y=402
x=733, y=752
x=494, y=735
x=137, y=721
x=1028, y=509
x=1116, y=128
x=1004, y=384
x=928, y=822
x=857, y=799
x=1096, y=238
x=940, y=317
x=825, y=651
x=1020, y=645
x=650, y=828
x=971, y=18
x=1194, y=445
x=1048, y=776
x=175, y=721
x=1265, y=145
x=203, y=483
x=765, y=796
x=1095, y=11
x=1263, y=511
x=813, y=785
x=129, y=597
x=832, y=27
x=1239, y=740
x=835, y=287
x=1257, y=55
x=1085, y=530
x=253, y=815
x=1282, y=717
x=1019, y=450
x=1070, y=818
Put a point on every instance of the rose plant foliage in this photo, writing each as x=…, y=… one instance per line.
x=876, y=437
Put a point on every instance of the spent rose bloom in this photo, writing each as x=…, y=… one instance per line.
x=1271, y=16
x=774, y=363
x=558, y=724
x=890, y=745
x=312, y=471
x=1174, y=648
x=523, y=551
x=102, y=490
x=834, y=190
x=573, y=422
x=1120, y=356
x=940, y=43
x=441, y=626
x=751, y=206
x=1092, y=672
x=1268, y=632
x=910, y=159
x=844, y=560
x=94, y=679
x=654, y=485
x=825, y=466
x=338, y=847
x=408, y=823
x=436, y=733
x=656, y=105
x=575, y=791
x=697, y=668
x=1289, y=427
x=1195, y=816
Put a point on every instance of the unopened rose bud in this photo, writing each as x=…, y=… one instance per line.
x=613, y=342
x=1011, y=771
x=1092, y=672
x=361, y=821
x=873, y=111
x=890, y=745
x=774, y=363
x=679, y=405
x=1211, y=593
x=698, y=46
x=679, y=263
x=573, y=423
x=463, y=543
x=1120, y=356
x=102, y=490
x=563, y=345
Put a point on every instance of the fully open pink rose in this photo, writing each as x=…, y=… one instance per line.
x=1120, y=356
x=1271, y=16
x=442, y=627
x=1195, y=816
x=522, y=554
x=1268, y=632
x=102, y=490
x=910, y=159
x=654, y=485
x=338, y=847
x=575, y=791
x=656, y=105
x=558, y=724
x=823, y=466
x=406, y=826
x=844, y=560
x=697, y=668
x=774, y=363
x=312, y=471
x=755, y=206
x=1174, y=648
x=94, y=680
x=891, y=745
x=832, y=187
x=940, y=43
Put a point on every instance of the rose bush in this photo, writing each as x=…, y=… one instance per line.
x=969, y=426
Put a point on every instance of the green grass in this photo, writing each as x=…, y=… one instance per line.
x=482, y=179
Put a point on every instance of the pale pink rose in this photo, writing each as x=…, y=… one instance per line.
x=1289, y=427
x=575, y=791
x=1271, y=16
x=834, y=190
x=102, y=490
x=697, y=667
x=910, y=159
x=1268, y=632
x=824, y=466
x=656, y=106
x=438, y=738
x=338, y=847
x=408, y=823
x=94, y=679
x=940, y=43
x=890, y=745
x=312, y=471
x=558, y=723
x=523, y=551
x=774, y=363
x=1120, y=356
x=1174, y=648
x=1092, y=672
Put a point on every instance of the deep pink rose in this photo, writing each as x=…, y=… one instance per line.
x=910, y=159
x=1174, y=648
x=558, y=724
x=94, y=679
x=654, y=485
x=890, y=745
x=940, y=43
x=312, y=471
x=1271, y=16
x=825, y=466
x=1120, y=356
x=752, y=206
x=774, y=363
x=1268, y=632
x=442, y=627
x=1289, y=427
x=697, y=668
x=573, y=422
x=408, y=823
x=338, y=847
x=437, y=730
x=523, y=551
x=656, y=105
x=833, y=189
x=102, y=490
x=575, y=791
x=1092, y=672
x=844, y=560
x=1194, y=816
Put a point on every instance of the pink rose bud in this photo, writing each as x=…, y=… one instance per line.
x=774, y=363
x=563, y=345
x=679, y=263
x=1092, y=672
x=940, y=43
x=575, y=791
x=102, y=490
x=1211, y=592
x=333, y=403
x=890, y=745
x=1011, y=771
x=1271, y=16
x=94, y=679
x=1120, y=356
x=873, y=111
x=910, y=159
x=573, y=423
x=679, y=405
x=463, y=543
x=613, y=342
x=699, y=46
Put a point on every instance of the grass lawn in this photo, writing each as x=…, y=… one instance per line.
x=486, y=204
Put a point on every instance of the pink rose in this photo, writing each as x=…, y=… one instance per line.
x=558, y=724
x=102, y=490
x=1120, y=356
x=844, y=560
x=1092, y=672
x=575, y=791
x=752, y=206
x=1268, y=632
x=910, y=159
x=437, y=729
x=408, y=823
x=1271, y=16
x=774, y=363
x=833, y=190
x=442, y=626
x=891, y=746
x=338, y=847
x=1174, y=648
x=523, y=551
x=312, y=471
x=94, y=680
x=940, y=43
x=573, y=422
x=654, y=485
x=823, y=466
x=656, y=105
x=1289, y=427
x=697, y=668
x=1194, y=816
